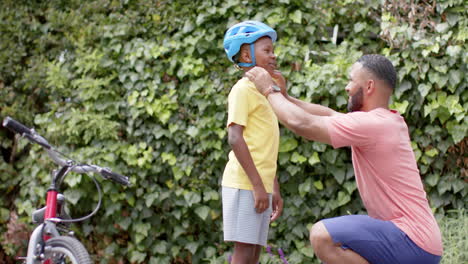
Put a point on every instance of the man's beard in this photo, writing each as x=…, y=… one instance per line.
x=356, y=101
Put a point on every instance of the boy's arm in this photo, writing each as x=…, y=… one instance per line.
x=238, y=145
x=277, y=201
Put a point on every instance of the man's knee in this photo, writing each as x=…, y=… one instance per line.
x=319, y=236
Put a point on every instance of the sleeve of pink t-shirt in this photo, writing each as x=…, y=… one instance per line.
x=352, y=129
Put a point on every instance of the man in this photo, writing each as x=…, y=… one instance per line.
x=400, y=227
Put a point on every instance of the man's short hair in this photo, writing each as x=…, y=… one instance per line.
x=381, y=67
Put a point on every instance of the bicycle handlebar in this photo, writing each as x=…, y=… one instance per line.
x=30, y=134
x=16, y=126
x=108, y=174
x=26, y=132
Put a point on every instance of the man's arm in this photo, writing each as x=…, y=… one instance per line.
x=310, y=108
x=237, y=142
x=296, y=119
x=309, y=123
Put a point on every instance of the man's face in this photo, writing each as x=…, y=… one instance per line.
x=355, y=87
x=355, y=101
x=264, y=54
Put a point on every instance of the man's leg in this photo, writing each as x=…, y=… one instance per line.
x=329, y=252
x=243, y=253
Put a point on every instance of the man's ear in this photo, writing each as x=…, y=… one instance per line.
x=245, y=54
x=370, y=87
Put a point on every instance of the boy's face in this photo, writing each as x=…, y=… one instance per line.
x=265, y=55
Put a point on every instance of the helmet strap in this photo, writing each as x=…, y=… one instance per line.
x=252, y=55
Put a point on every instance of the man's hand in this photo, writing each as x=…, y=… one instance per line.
x=261, y=78
x=261, y=199
x=277, y=206
x=279, y=79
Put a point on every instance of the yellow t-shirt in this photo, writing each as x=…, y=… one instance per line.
x=249, y=108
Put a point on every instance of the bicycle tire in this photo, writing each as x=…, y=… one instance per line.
x=64, y=250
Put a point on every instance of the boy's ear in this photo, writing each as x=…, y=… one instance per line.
x=245, y=54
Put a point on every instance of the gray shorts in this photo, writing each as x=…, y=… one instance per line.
x=241, y=223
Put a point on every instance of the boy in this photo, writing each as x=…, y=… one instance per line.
x=250, y=189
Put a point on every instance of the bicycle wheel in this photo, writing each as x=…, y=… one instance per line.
x=65, y=250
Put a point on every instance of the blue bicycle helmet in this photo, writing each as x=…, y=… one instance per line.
x=246, y=32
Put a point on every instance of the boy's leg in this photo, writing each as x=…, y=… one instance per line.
x=243, y=225
x=257, y=252
x=330, y=252
x=243, y=253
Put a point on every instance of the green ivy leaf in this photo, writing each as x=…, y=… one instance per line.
x=318, y=185
x=73, y=179
x=457, y=131
x=338, y=173
x=343, y=198
x=432, y=152
x=203, y=212
x=442, y=27
x=350, y=186
x=314, y=159
x=73, y=195
x=4, y=215
x=400, y=107
x=136, y=256
x=305, y=187
x=358, y=27
x=142, y=228
x=453, y=51
x=287, y=144
x=424, y=89
x=432, y=179
x=192, y=247
x=458, y=185
x=307, y=251
x=161, y=247
x=296, y=17
x=298, y=158
x=169, y=158
x=443, y=187
x=192, y=198
x=149, y=199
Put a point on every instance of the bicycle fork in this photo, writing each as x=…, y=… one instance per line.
x=48, y=228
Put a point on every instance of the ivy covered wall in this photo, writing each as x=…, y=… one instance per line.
x=141, y=87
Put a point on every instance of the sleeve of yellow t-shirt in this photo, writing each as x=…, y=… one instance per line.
x=238, y=105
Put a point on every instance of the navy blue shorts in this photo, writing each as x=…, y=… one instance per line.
x=379, y=242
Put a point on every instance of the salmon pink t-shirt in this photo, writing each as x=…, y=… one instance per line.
x=386, y=172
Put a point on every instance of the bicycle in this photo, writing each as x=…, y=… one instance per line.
x=52, y=242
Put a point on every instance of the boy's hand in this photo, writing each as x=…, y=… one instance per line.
x=277, y=206
x=261, y=78
x=261, y=199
